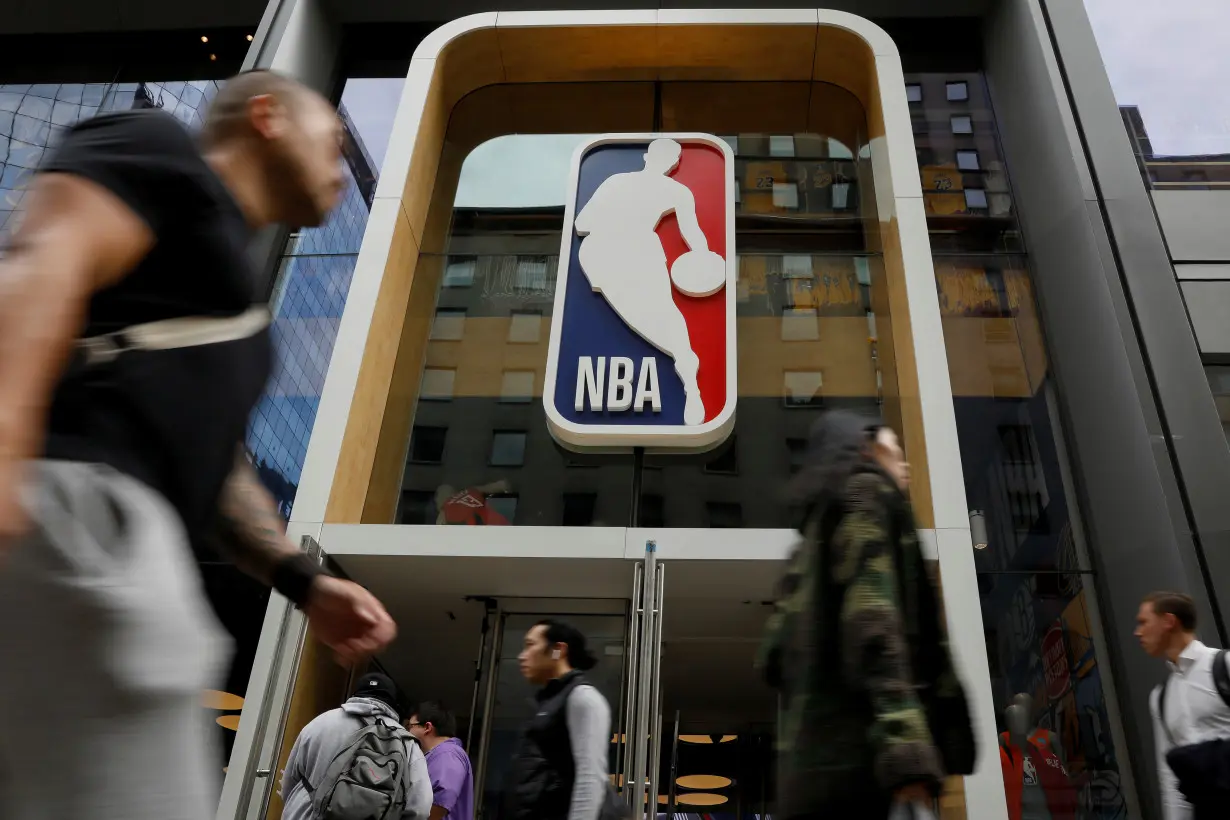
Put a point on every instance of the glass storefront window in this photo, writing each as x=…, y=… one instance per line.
x=1168, y=65
x=1034, y=577
x=310, y=293
x=806, y=324
x=1046, y=679
x=34, y=116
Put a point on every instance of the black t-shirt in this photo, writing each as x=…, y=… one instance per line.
x=174, y=418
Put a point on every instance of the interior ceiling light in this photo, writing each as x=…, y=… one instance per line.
x=222, y=701
x=703, y=781
x=701, y=799
x=708, y=738
x=229, y=722
x=213, y=56
x=249, y=38
x=204, y=39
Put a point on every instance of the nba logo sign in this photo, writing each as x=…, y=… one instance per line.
x=642, y=347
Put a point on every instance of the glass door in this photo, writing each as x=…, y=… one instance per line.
x=709, y=718
x=508, y=699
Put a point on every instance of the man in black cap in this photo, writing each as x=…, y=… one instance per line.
x=375, y=699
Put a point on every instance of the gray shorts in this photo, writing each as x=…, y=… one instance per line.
x=106, y=641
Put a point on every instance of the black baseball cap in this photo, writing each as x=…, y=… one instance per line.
x=378, y=686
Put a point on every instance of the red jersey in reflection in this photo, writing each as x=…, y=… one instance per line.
x=469, y=508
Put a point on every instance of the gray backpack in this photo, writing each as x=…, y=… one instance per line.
x=367, y=779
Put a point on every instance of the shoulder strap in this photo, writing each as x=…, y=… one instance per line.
x=169, y=334
x=1161, y=709
x=1221, y=676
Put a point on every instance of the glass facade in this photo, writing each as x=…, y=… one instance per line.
x=33, y=116
x=309, y=296
x=813, y=335
x=1168, y=66
x=1033, y=575
x=480, y=451
x=314, y=272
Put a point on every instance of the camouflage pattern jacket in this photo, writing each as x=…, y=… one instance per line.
x=856, y=648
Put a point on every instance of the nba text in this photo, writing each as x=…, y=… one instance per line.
x=618, y=378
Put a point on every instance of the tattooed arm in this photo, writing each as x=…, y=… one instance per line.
x=343, y=615
x=253, y=535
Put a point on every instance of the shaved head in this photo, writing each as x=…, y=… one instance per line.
x=288, y=134
x=228, y=113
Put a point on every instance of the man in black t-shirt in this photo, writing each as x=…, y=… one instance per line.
x=132, y=350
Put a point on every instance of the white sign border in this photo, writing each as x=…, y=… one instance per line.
x=659, y=438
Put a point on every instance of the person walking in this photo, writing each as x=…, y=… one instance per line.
x=318, y=771
x=452, y=778
x=133, y=346
x=1191, y=710
x=873, y=714
x=559, y=769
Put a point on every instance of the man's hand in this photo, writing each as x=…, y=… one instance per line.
x=348, y=619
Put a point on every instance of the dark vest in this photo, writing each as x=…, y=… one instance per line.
x=541, y=775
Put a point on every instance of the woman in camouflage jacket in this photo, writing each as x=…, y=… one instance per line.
x=872, y=712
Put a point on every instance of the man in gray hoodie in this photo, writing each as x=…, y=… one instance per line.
x=328, y=734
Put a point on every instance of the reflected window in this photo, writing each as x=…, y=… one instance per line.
x=418, y=507
x=653, y=511
x=532, y=273
x=803, y=388
x=517, y=386
x=962, y=125
x=459, y=273
x=579, y=509
x=508, y=448
x=968, y=161
x=427, y=444
x=796, y=267
x=724, y=516
x=976, y=199
x=502, y=509
x=727, y=461
x=797, y=452
x=437, y=384
x=524, y=327
x=957, y=92
x=449, y=325
x=781, y=146
x=800, y=324
x=913, y=92
x=786, y=195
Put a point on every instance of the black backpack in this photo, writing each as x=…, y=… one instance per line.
x=367, y=779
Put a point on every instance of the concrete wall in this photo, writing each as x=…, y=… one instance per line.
x=1196, y=224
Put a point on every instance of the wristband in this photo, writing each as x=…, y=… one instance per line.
x=293, y=575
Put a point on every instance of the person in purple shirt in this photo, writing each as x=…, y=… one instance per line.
x=452, y=780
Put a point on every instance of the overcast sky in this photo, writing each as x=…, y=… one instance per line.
x=1171, y=58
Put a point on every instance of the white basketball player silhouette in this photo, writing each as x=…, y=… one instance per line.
x=623, y=258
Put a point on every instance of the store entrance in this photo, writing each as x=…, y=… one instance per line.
x=691, y=723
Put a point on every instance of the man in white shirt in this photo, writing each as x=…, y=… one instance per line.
x=1194, y=710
